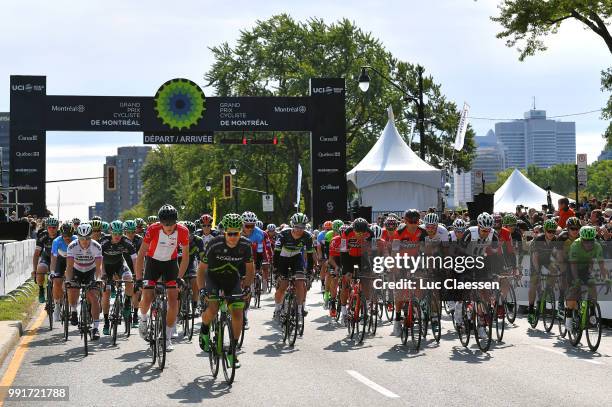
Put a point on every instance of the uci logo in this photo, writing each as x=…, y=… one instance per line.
x=22, y=88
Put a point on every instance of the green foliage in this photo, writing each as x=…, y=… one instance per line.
x=599, y=179
x=606, y=85
x=136, y=211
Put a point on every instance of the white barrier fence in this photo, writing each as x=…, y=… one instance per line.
x=15, y=264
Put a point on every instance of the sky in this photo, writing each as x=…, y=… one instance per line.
x=131, y=47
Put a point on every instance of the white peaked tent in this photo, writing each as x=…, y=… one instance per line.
x=391, y=177
x=519, y=190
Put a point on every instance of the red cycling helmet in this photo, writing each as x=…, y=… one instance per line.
x=206, y=219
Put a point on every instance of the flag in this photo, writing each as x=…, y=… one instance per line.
x=214, y=212
x=299, y=186
x=462, y=128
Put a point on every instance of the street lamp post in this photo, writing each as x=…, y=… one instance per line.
x=233, y=170
x=364, y=85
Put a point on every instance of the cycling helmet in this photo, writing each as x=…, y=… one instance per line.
x=343, y=228
x=336, y=225
x=271, y=227
x=411, y=214
x=376, y=231
x=85, y=229
x=550, y=224
x=66, y=229
x=572, y=222
x=298, y=219
x=116, y=227
x=327, y=225
x=206, y=219
x=140, y=222
x=431, y=219
x=497, y=219
x=76, y=221
x=95, y=225
x=391, y=222
x=220, y=227
x=129, y=226
x=485, y=220
x=105, y=227
x=53, y=222
x=249, y=217
x=167, y=214
x=360, y=225
x=191, y=227
x=509, y=220
x=315, y=233
x=259, y=224
x=151, y=219
x=96, y=218
x=459, y=225
x=197, y=223
x=308, y=227
x=588, y=233
x=232, y=220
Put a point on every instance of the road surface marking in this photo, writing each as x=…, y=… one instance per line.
x=564, y=354
x=13, y=367
x=372, y=385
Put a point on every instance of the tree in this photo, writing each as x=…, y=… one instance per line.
x=527, y=22
x=599, y=182
x=136, y=211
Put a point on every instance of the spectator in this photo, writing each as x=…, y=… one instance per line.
x=13, y=217
x=565, y=212
x=596, y=219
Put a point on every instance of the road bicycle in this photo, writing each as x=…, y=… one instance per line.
x=223, y=345
x=119, y=311
x=156, y=325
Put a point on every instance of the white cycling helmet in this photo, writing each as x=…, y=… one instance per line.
x=259, y=224
x=376, y=231
x=431, y=219
x=485, y=220
x=84, y=230
x=271, y=227
x=459, y=225
x=249, y=217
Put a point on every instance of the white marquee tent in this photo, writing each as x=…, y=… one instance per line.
x=519, y=190
x=391, y=177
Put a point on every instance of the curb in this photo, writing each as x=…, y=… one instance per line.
x=10, y=333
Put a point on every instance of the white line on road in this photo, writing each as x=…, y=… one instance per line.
x=563, y=354
x=372, y=385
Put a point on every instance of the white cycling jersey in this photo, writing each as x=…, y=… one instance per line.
x=440, y=236
x=84, y=259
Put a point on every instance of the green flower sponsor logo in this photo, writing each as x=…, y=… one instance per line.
x=180, y=103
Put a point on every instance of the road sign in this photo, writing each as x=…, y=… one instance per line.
x=581, y=164
x=581, y=160
x=268, y=203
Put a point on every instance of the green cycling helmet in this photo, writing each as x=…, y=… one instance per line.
x=96, y=225
x=298, y=219
x=151, y=219
x=232, y=221
x=66, y=229
x=550, y=224
x=129, y=226
x=116, y=227
x=588, y=233
x=572, y=222
x=53, y=222
x=509, y=220
x=336, y=225
x=105, y=227
x=96, y=218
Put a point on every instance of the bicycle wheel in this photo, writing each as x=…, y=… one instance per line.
x=510, y=305
x=425, y=313
x=375, y=308
x=362, y=319
x=549, y=313
x=66, y=315
x=49, y=305
x=216, y=347
x=292, y=321
x=301, y=324
x=127, y=321
x=500, y=318
x=190, y=315
x=257, y=292
x=416, y=328
x=350, y=315
x=593, y=326
x=241, y=340
x=85, y=324
x=436, y=321
x=161, y=336
x=114, y=319
x=484, y=317
x=338, y=308
x=561, y=324
x=405, y=326
x=228, y=350
x=536, y=313
x=270, y=279
x=575, y=333
x=463, y=329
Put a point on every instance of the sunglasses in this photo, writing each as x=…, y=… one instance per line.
x=249, y=226
x=206, y=226
x=51, y=227
x=549, y=231
x=84, y=237
x=298, y=227
x=485, y=230
x=232, y=234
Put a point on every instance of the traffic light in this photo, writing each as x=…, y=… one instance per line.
x=227, y=185
x=111, y=178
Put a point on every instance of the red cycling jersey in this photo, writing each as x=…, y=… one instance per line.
x=410, y=241
x=334, y=246
x=164, y=247
x=355, y=242
x=506, y=237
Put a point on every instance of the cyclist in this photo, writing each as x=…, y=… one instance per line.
x=105, y=229
x=206, y=232
x=42, y=256
x=83, y=266
x=59, y=251
x=322, y=250
x=160, y=247
x=151, y=220
x=258, y=240
x=141, y=226
x=117, y=249
x=459, y=227
x=96, y=229
x=196, y=254
x=219, y=270
x=75, y=223
x=288, y=260
x=567, y=237
x=334, y=268
x=129, y=229
x=95, y=218
x=584, y=251
x=543, y=253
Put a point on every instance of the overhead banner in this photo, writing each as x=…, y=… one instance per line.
x=463, y=123
x=178, y=138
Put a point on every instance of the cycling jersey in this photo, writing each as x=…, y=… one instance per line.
x=196, y=252
x=225, y=260
x=84, y=259
x=44, y=244
x=452, y=236
x=584, y=258
x=257, y=239
x=164, y=247
x=136, y=242
x=115, y=253
x=543, y=250
x=287, y=247
x=321, y=237
x=59, y=248
x=409, y=243
x=207, y=238
x=477, y=245
x=356, y=243
x=334, y=246
x=440, y=236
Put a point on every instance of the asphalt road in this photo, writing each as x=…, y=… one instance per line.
x=529, y=367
